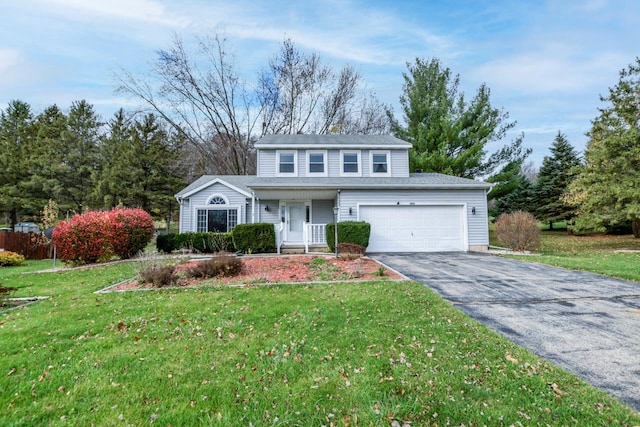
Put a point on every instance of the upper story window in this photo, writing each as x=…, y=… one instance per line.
x=350, y=163
x=287, y=163
x=380, y=163
x=317, y=163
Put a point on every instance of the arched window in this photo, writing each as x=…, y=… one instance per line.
x=217, y=215
x=217, y=200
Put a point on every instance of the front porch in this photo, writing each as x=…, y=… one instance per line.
x=313, y=238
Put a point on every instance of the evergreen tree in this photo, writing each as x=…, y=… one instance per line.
x=17, y=133
x=555, y=175
x=141, y=166
x=115, y=176
x=522, y=198
x=46, y=155
x=607, y=188
x=79, y=161
x=449, y=134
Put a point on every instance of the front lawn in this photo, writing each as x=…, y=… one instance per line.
x=616, y=256
x=344, y=354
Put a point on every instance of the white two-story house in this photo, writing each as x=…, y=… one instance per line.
x=304, y=182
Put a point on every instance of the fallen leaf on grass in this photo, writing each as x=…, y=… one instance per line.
x=511, y=358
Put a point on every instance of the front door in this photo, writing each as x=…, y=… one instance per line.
x=296, y=217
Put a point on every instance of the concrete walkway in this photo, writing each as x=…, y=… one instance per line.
x=586, y=323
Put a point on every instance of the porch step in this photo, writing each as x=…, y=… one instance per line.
x=292, y=249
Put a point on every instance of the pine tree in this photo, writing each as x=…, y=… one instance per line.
x=555, y=175
x=17, y=133
x=79, y=161
x=449, y=134
x=607, y=189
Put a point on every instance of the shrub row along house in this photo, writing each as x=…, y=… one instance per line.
x=304, y=182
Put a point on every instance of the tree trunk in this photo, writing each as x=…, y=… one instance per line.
x=550, y=225
x=635, y=225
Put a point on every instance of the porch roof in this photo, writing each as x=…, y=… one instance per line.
x=325, y=188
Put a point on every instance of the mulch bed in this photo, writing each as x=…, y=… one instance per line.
x=264, y=270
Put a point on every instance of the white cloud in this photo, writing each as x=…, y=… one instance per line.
x=137, y=10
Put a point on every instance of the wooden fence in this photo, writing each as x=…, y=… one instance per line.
x=31, y=245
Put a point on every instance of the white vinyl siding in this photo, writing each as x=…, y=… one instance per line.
x=201, y=201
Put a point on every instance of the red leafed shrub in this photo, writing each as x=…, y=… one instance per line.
x=97, y=236
x=518, y=231
x=131, y=231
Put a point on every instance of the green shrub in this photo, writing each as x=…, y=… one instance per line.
x=158, y=275
x=254, y=238
x=224, y=266
x=357, y=232
x=518, y=231
x=199, y=242
x=10, y=259
x=166, y=243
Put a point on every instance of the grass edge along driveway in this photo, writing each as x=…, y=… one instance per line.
x=370, y=353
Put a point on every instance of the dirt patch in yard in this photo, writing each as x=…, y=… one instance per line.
x=264, y=270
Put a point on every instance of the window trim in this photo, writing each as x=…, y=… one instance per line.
x=222, y=196
x=387, y=153
x=324, y=163
x=358, y=154
x=208, y=208
x=295, y=162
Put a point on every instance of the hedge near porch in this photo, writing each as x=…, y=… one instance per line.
x=357, y=232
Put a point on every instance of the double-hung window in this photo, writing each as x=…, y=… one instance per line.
x=350, y=163
x=380, y=163
x=287, y=163
x=317, y=163
x=217, y=216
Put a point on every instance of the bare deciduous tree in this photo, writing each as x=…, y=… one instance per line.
x=220, y=116
x=298, y=94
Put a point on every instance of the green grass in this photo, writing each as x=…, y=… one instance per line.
x=342, y=354
x=602, y=254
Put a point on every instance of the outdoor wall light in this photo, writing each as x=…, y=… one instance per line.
x=473, y=210
x=266, y=208
x=350, y=211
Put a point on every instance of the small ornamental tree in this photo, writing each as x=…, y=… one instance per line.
x=518, y=231
x=97, y=236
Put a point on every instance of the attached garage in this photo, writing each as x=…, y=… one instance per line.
x=415, y=228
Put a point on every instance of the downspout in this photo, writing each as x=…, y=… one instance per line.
x=253, y=207
x=179, y=200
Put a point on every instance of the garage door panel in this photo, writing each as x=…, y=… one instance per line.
x=414, y=228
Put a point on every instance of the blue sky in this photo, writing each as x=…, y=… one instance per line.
x=546, y=62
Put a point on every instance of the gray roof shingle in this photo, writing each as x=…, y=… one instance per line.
x=414, y=181
x=331, y=141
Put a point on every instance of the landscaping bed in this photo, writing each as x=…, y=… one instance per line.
x=260, y=270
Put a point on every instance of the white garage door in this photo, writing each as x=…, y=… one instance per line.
x=414, y=228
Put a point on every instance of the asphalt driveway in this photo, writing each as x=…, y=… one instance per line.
x=586, y=323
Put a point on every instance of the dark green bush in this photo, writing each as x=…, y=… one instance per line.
x=167, y=243
x=224, y=266
x=349, y=232
x=199, y=242
x=254, y=238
